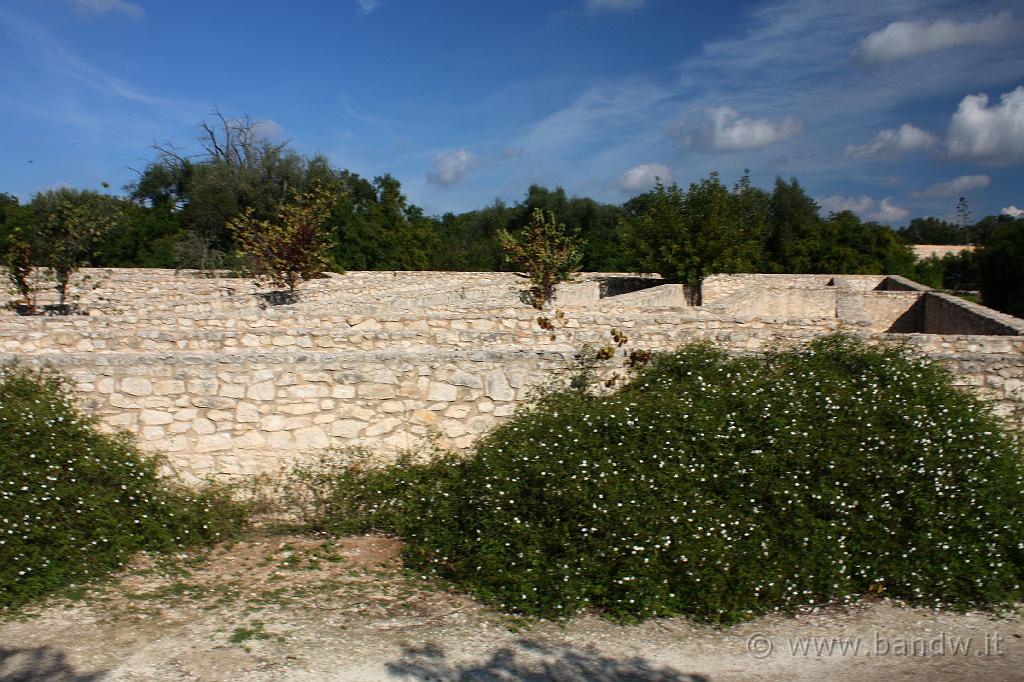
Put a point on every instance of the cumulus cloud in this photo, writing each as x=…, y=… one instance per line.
x=884, y=211
x=1013, y=211
x=642, y=177
x=958, y=186
x=268, y=129
x=903, y=39
x=132, y=9
x=449, y=168
x=367, y=6
x=988, y=133
x=722, y=129
x=892, y=143
x=614, y=4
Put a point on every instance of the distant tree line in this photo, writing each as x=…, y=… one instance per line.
x=205, y=211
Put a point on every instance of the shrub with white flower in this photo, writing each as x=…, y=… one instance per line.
x=75, y=503
x=721, y=488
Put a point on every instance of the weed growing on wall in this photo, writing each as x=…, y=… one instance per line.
x=75, y=503
x=722, y=488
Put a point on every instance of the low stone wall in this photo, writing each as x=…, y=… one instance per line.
x=203, y=370
x=253, y=411
x=948, y=314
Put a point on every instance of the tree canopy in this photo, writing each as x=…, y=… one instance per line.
x=178, y=211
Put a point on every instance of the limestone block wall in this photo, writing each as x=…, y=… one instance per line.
x=946, y=314
x=223, y=413
x=205, y=371
x=991, y=366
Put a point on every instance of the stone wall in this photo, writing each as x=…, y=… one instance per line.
x=204, y=370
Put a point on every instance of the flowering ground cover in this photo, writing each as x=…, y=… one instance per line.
x=76, y=503
x=721, y=488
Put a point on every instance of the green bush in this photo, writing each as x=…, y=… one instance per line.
x=75, y=502
x=721, y=488
x=346, y=491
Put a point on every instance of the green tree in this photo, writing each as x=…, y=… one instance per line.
x=1000, y=264
x=597, y=223
x=794, y=229
x=686, y=237
x=375, y=228
x=935, y=231
x=549, y=252
x=292, y=248
x=67, y=228
x=468, y=242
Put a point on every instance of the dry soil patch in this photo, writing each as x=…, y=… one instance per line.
x=291, y=607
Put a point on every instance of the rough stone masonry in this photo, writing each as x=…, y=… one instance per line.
x=204, y=370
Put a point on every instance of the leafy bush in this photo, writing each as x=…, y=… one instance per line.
x=75, y=503
x=721, y=488
x=295, y=246
x=548, y=251
x=345, y=491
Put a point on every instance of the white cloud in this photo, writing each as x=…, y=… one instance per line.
x=903, y=39
x=642, y=177
x=367, y=6
x=268, y=129
x=892, y=142
x=957, y=186
x=132, y=9
x=604, y=110
x=989, y=133
x=614, y=4
x=1013, y=211
x=449, y=168
x=883, y=211
x=722, y=129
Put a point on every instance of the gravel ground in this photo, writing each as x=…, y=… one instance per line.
x=280, y=607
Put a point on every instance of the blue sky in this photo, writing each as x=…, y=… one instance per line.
x=890, y=109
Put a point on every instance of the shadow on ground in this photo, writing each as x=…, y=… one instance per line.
x=40, y=664
x=533, y=662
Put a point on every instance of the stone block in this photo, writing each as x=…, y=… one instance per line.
x=203, y=387
x=307, y=391
x=460, y=378
x=293, y=423
x=298, y=408
x=214, y=442
x=437, y=391
x=346, y=428
x=311, y=437
x=378, y=391
x=168, y=387
x=496, y=386
x=155, y=417
x=381, y=427
x=264, y=390
x=272, y=422
x=137, y=386
x=504, y=410
x=232, y=391
x=343, y=391
x=246, y=413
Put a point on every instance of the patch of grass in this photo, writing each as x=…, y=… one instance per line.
x=244, y=634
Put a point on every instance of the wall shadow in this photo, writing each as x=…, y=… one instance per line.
x=533, y=662
x=40, y=664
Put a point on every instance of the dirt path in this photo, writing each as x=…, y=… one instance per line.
x=301, y=608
